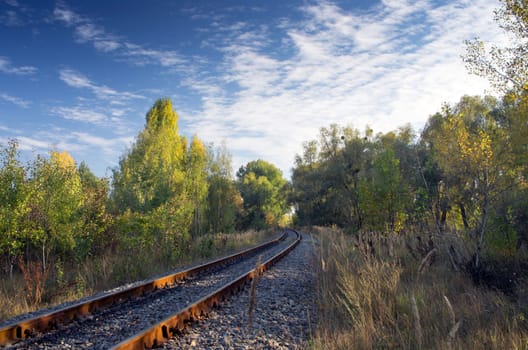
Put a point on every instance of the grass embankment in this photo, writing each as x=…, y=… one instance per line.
x=73, y=281
x=392, y=292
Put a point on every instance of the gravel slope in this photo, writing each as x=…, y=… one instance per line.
x=284, y=311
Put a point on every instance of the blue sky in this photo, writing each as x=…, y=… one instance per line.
x=263, y=76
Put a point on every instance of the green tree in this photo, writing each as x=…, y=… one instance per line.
x=14, y=204
x=196, y=182
x=307, y=186
x=160, y=186
x=94, y=236
x=56, y=199
x=264, y=193
x=385, y=194
x=354, y=180
x=224, y=201
x=153, y=171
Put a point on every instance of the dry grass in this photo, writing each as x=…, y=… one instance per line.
x=111, y=270
x=412, y=300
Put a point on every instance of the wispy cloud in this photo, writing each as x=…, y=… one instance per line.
x=80, y=144
x=10, y=18
x=101, y=115
x=15, y=100
x=80, y=81
x=79, y=114
x=30, y=144
x=15, y=14
x=109, y=146
x=87, y=30
x=393, y=64
x=7, y=67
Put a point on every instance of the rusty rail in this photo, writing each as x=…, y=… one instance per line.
x=172, y=326
x=22, y=329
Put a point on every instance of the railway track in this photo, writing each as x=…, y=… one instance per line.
x=148, y=314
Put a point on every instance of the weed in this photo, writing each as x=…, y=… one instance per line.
x=370, y=296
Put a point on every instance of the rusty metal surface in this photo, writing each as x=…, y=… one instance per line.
x=161, y=332
x=22, y=329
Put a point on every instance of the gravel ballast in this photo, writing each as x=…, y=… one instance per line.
x=283, y=317
x=110, y=326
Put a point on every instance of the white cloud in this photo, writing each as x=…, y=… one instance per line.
x=141, y=56
x=79, y=114
x=30, y=144
x=78, y=80
x=62, y=13
x=393, y=64
x=98, y=114
x=13, y=3
x=109, y=146
x=11, y=19
x=106, y=45
x=16, y=14
x=101, y=151
x=87, y=31
x=15, y=100
x=7, y=67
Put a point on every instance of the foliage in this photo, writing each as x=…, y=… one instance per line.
x=161, y=185
x=56, y=216
x=154, y=169
x=56, y=199
x=223, y=199
x=354, y=180
x=263, y=190
x=95, y=234
x=505, y=67
x=14, y=199
x=466, y=172
x=196, y=182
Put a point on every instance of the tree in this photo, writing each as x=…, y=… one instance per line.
x=505, y=67
x=474, y=155
x=385, y=194
x=153, y=171
x=307, y=186
x=14, y=201
x=224, y=203
x=507, y=70
x=354, y=180
x=264, y=193
x=151, y=194
x=56, y=199
x=196, y=181
x=94, y=237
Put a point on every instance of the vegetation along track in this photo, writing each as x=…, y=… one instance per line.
x=167, y=303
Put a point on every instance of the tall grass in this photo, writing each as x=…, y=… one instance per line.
x=70, y=281
x=385, y=292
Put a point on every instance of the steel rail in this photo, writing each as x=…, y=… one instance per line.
x=173, y=325
x=20, y=330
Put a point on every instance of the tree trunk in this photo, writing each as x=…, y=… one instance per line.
x=464, y=216
x=483, y=219
x=443, y=219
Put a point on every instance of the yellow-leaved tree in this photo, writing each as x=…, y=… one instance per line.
x=475, y=158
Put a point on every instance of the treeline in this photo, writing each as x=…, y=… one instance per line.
x=467, y=171
x=166, y=191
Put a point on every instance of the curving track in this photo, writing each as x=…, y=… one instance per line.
x=148, y=314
